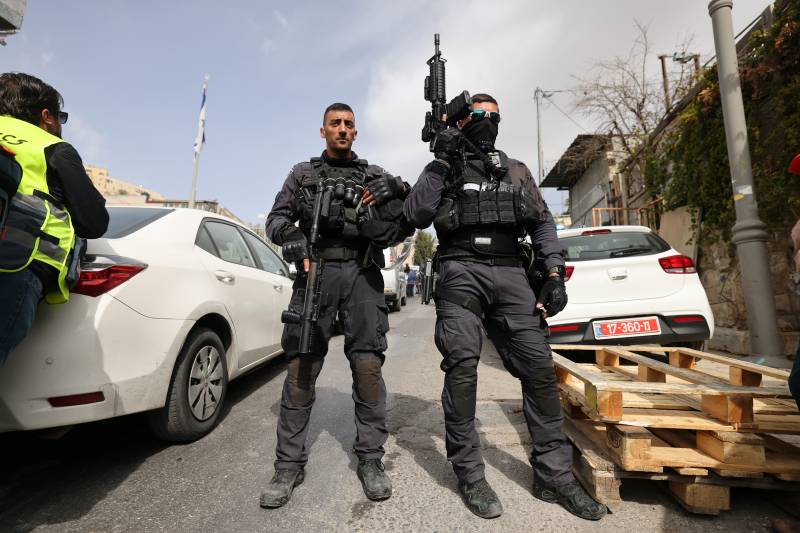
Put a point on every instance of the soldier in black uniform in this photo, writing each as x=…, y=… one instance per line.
x=481, y=208
x=352, y=246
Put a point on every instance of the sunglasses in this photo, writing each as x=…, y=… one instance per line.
x=61, y=115
x=480, y=114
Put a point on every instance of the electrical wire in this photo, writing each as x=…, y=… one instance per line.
x=566, y=114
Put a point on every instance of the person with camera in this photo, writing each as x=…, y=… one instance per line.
x=363, y=217
x=482, y=204
x=47, y=202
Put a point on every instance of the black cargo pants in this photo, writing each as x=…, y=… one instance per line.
x=508, y=303
x=357, y=295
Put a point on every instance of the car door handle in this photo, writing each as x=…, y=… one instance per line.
x=224, y=276
x=278, y=288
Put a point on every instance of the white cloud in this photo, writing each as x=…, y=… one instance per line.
x=281, y=19
x=498, y=63
x=507, y=51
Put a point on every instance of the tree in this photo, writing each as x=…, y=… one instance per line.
x=625, y=100
x=424, y=247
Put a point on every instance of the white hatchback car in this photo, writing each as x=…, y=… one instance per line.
x=171, y=305
x=626, y=285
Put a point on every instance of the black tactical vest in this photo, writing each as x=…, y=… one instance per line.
x=479, y=217
x=339, y=222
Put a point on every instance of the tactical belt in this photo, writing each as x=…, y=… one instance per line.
x=340, y=254
x=491, y=261
x=459, y=298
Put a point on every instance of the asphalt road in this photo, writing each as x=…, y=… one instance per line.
x=113, y=476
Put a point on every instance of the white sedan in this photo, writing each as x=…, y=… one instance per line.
x=626, y=285
x=171, y=305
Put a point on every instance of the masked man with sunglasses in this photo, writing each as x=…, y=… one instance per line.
x=47, y=201
x=353, y=237
x=482, y=203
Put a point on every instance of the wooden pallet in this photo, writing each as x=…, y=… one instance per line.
x=677, y=394
x=697, y=490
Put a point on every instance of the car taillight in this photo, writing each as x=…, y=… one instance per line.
x=569, y=271
x=677, y=264
x=76, y=399
x=565, y=327
x=595, y=231
x=98, y=279
x=686, y=319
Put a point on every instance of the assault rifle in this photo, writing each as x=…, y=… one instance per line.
x=311, y=304
x=454, y=110
x=446, y=115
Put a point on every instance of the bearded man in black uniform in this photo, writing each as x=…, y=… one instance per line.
x=352, y=240
x=481, y=208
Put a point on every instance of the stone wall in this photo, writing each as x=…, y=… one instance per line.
x=720, y=274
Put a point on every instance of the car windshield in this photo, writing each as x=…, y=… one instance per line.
x=123, y=221
x=610, y=245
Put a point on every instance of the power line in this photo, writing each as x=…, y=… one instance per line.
x=565, y=113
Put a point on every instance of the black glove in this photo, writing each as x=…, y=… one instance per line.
x=295, y=246
x=387, y=187
x=448, y=143
x=553, y=295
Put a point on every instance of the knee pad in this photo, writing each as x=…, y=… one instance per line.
x=301, y=379
x=542, y=386
x=367, y=379
x=462, y=384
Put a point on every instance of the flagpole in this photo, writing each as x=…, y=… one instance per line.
x=198, y=143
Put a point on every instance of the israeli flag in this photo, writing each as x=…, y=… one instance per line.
x=201, y=127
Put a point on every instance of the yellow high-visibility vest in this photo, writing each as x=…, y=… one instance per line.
x=38, y=227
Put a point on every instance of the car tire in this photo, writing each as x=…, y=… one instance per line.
x=396, y=305
x=184, y=420
x=403, y=301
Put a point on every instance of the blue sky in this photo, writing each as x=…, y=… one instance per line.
x=131, y=75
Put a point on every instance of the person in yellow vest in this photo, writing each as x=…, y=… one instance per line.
x=54, y=203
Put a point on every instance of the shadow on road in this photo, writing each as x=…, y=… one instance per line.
x=51, y=481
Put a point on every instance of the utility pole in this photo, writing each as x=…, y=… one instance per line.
x=749, y=232
x=538, y=94
x=667, y=100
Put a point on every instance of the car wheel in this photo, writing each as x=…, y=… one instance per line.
x=196, y=391
x=396, y=305
x=403, y=301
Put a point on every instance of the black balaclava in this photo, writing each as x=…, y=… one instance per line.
x=482, y=133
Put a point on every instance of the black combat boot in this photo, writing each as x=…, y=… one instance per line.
x=573, y=498
x=480, y=498
x=377, y=485
x=280, y=487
